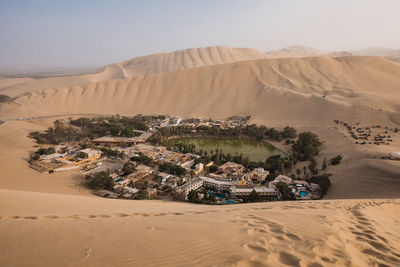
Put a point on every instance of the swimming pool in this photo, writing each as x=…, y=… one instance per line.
x=303, y=193
x=220, y=196
x=228, y=202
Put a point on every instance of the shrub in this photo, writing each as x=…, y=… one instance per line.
x=142, y=194
x=323, y=181
x=172, y=169
x=100, y=180
x=143, y=159
x=4, y=98
x=128, y=168
x=286, y=193
x=193, y=196
x=306, y=146
x=212, y=168
x=336, y=160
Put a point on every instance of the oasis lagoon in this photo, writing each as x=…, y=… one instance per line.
x=255, y=150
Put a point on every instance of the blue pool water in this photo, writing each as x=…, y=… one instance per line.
x=303, y=193
x=220, y=196
x=228, y=202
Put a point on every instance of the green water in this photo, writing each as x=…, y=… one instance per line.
x=255, y=150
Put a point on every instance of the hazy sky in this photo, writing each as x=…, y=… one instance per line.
x=78, y=33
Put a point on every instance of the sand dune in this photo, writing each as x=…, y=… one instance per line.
x=184, y=59
x=87, y=231
x=163, y=62
x=295, y=89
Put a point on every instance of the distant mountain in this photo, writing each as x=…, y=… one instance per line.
x=304, y=51
x=378, y=51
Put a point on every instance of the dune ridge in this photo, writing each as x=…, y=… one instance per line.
x=344, y=87
x=155, y=63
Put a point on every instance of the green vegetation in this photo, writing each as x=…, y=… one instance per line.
x=254, y=196
x=306, y=146
x=193, y=197
x=86, y=129
x=111, y=152
x=46, y=151
x=100, y=180
x=60, y=133
x=250, y=131
x=42, y=151
x=172, y=169
x=4, y=98
x=323, y=181
x=212, y=168
x=208, y=198
x=142, y=194
x=286, y=193
x=143, y=159
x=114, y=126
x=128, y=168
x=336, y=160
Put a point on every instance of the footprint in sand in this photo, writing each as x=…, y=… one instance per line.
x=52, y=217
x=160, y=214
x=120, y=215
x=288, y=259
x=30, y=217
x=11, y=217
x=256, y=248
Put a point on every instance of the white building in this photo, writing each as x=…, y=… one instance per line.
x=281, y=178
x=189, y=186
x=395, y=155
x=262, y=191
x=91, y=152
x=220, y=185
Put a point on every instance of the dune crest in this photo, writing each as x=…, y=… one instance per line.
x=162, y=62
x=269, y=89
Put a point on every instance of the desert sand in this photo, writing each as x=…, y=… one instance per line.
x=51, y=220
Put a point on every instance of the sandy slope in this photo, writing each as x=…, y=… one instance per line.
x=162, y=62
x=62, y=230
x=294, y=89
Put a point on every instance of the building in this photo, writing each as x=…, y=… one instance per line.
x=189, y=186
x=395, y=155
x=199, y=168
x=91, y=153
x=141, y=171
x=120, y=140
x=281, y=178
x=217, y=184
x=258, y=174
x=231, y=169
x=263, y=191
x=244, y=183
x=151, y=192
